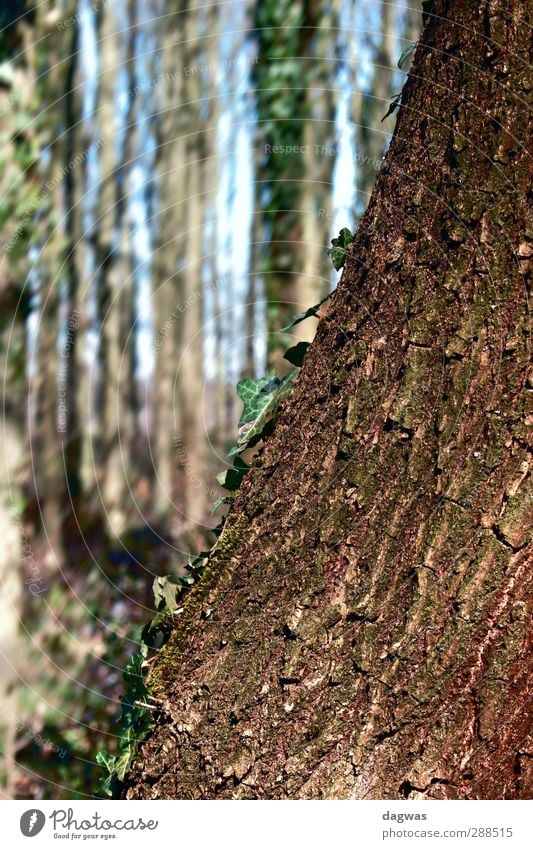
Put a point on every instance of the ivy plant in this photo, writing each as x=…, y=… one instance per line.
x=136, y=722
x=261, y=399
x=340, y=245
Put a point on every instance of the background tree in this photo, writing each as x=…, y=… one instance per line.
x=192, y=436
x=168, y=293
x=284, y=32
x=50, y=431
x=19, y=157
x=75, y=454
x=320, y=143
x=371, y=132
x=115, y=282
x=367, y=633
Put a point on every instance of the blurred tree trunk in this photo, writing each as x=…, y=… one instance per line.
x=74, y=180
x=19, y=188
x=116, y=290
x=296, y=105
x=16, y=189
x=371, y=131
x=15, y=555
x=169, y=256
x=82, y=225
x=189, y=368
x=320, y=143
x=362, y=628
x=284, y=30
x=181, y=429
x=53, y=415
x=219, y=403
x=412, y=24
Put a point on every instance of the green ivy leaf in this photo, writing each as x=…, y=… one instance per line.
x=406, y=54
x=218, y=503
x=160, y=623
x=395, y=102
x=254, y=394
x=232, y=478
x=107, y=782
x=296, y=354
x=166, y=590
x=266, y=407
x=134, y=676
x=340, y=246
x=136, y=723
x=123, y=764
x=196, y=562
x=309, y=313
x=105, y=760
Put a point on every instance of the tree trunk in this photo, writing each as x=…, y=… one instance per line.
x=17, y=189
x=168, y=289
x=412, y=25
x=372, y=135
x=181, y=438
x=319, y=142
x=116, y=282
x=361, y=629
x=285, y=30
x=191, y=441
x=73, y=359
x=52, y=417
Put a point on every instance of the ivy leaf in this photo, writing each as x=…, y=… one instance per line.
x=166, y=589
x=232, y=478
x=395, y=102
x=133, y=675
x=271, y=397
x=159, y=624
x=222, y=500
x=296, y=354
x=136, y=722
x=340, y=246
x=409, y=50
x=254, y=394
x=105, y=760
x=196, y=562
x=309, y=313
x=123, y=763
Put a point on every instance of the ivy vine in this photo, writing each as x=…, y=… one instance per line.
x=261, y=399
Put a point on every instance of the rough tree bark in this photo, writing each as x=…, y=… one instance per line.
x=361, y=630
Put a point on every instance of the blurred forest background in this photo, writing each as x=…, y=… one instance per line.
x=170, y=176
